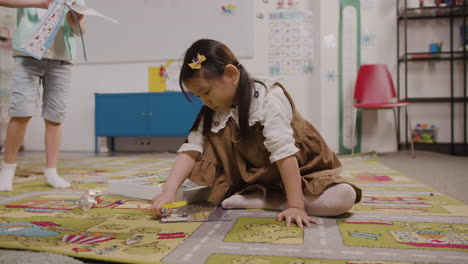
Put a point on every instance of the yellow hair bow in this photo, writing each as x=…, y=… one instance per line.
x=196, y=63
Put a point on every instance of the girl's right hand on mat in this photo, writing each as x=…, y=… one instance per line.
x=299, y=216
x=159, y=200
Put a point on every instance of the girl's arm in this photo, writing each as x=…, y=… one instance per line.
x=291, y=177
x=289, y=170
x=26, y=3
x=181, y=169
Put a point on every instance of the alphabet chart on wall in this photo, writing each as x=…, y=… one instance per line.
x=290, y=43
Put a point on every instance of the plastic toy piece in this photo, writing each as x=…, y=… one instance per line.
x=177, y=213
x=89, y=199
x=199, y=212
x=174, y=218
x=174, y=215
x=174, y=205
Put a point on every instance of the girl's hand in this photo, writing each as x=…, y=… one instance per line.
x=71, y=19
x=297, y=215
x=76, y=24
x=159, y=200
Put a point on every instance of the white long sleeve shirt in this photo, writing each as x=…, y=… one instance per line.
x=271, y=109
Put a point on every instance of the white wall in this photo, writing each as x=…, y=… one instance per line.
x=378, y=24
x=78, y=128
x=315, y=95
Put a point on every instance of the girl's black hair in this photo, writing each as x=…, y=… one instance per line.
x=217, y=56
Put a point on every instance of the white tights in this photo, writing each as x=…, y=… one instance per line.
x=334, y=201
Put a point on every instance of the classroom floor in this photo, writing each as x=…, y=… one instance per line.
x=447, y=174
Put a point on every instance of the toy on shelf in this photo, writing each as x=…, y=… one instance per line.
x=424, y=133
x=448, y=3
x=435, y=47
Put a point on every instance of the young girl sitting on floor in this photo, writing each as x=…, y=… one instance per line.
x=251, y=145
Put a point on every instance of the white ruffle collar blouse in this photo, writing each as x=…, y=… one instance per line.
x=271, y=109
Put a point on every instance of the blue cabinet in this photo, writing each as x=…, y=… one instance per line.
x=167, y=114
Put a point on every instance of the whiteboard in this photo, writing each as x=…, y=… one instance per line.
x=164, y=29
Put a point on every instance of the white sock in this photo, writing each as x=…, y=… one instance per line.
x=250, y=200
x=7, y=173
x=53, y=179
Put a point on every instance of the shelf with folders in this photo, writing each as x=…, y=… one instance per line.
x=455, y=97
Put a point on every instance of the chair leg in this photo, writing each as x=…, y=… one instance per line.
x=413, y=155
x=395, y=116
x=353, y=136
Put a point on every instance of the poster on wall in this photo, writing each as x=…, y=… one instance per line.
x=290, y=50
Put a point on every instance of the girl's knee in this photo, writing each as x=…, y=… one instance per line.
x=52, y=123
x=336, y=200
x=20, y=119
x=346, y=196
x=346, y=192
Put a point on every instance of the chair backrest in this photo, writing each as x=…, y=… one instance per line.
x=374, y=84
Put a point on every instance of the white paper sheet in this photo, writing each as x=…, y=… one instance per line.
x=88, y=11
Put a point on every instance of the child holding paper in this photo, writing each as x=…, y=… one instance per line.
x=26, y=3
x=53, y=71
x=251, y=145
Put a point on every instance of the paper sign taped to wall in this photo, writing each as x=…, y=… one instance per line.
x=49, y=25
x=157, y=77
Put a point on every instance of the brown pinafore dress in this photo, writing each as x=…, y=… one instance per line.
x=230, y=165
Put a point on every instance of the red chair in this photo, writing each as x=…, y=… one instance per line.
x=375, y=90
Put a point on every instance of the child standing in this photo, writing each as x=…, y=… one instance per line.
x=54, y=73
x=251, y=145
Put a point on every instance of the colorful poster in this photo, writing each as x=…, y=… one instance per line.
x=290, y=43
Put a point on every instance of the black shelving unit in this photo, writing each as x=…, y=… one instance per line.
x=404, y=16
